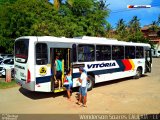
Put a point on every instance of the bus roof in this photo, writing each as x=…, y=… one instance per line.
x=83, y=40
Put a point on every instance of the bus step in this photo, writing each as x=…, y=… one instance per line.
x=59, y=90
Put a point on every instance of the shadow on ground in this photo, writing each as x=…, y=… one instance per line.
x=42, y=95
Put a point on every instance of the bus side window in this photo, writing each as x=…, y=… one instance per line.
x=103, y=52
x=86, y=53
x=139, y=52
x=129, y=52
x=41, y=54
x=117, y=52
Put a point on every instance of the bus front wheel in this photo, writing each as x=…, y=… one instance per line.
x=90, y=82
x=138, y=73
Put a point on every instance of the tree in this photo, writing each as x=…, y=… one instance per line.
x=121, y=30
x=134, y=24
x=22, y=21
x=137, y=37
x=109, y=30
x=5, y=1
x=70, y=2
x=130, y=32
x=158, y=21
x=121, y=25
x=135, y=34
x=89, y=16
x=56, y=4
x=38, y=18
x=154, y=26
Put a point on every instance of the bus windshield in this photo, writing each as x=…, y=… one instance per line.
x=21, y=50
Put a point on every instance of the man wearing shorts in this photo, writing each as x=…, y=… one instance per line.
x=83, y=87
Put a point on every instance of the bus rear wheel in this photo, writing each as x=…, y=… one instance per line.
x=90, y=82
x=138, y=73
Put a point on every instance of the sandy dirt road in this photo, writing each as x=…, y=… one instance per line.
x=121, y=96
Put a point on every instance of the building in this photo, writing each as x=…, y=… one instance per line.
x=154, y=37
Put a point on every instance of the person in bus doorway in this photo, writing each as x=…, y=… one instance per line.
x=83, y=87
x=58, y=67
x=69, y=83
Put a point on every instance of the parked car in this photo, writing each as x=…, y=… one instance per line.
x=1, y=59
x=155, y=52
x=7, y=63
x=6, y=56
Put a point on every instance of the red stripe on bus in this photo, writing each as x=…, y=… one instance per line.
x=127, y=64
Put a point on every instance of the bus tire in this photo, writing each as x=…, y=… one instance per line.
x=90, y=82
x=138, y=73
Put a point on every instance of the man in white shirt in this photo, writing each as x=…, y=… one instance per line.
x=83, y=87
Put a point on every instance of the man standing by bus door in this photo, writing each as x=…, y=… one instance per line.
x=58, y=65
x=83, y=87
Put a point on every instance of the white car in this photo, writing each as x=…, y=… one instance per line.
x=7, y=63
x=6, y=56
x=1, y=59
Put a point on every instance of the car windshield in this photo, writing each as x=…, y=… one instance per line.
x=8, y=61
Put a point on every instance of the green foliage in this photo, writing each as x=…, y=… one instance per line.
x=135, y=34
x=38, y=18
x=137, y=37
x=134, y=25
x=158, y=21
x=5, y=85
x=131, y=32
x=7, y=1
x=17, y=19
x=121, y=30
x=154, y=26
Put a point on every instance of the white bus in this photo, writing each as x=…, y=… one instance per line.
x=104, y=60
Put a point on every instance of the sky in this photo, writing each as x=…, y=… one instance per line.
x=119, y=10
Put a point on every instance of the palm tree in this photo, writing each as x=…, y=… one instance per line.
x=158, y=20
x=154, y=26
x=134, y=24
x=109, y=29
x=121, y=30
x=121, y=25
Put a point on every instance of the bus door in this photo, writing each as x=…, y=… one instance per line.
x=148, y=60
x=60, y=62
x=42, y=68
